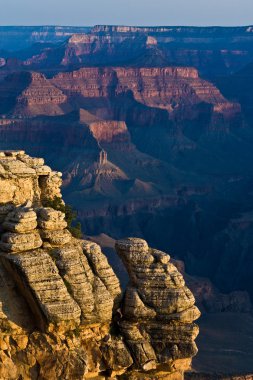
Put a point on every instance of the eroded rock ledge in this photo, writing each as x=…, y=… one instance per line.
x=62, y=311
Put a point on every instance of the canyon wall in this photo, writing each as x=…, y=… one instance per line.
x=178, y=90
x=212, y=50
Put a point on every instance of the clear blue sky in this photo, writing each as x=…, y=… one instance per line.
x=127, y=12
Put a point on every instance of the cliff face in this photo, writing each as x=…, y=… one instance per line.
x=89, y=48
x=167, y=88
x=110, y=131
x=31, y=94
x=40, y=97
x=174, y=89
x=63, y=314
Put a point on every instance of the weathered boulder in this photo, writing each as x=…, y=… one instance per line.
x=158, y=309
x=21, y=220
x=15, y=242
x=42, y=286
x=56, y=237
x=102, y=269
x=50, y=219
x=86, y=286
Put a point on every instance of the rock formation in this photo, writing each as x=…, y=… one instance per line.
x=102, y=157
x=158, y=309
x=62, y=314
x=40, y=97
x=110, y=131
x=214, y=51
x=175, y=89
x=152, y=95
x=178, y=90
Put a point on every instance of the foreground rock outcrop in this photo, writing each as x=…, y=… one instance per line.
x=62, y=311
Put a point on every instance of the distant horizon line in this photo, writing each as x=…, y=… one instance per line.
x=125, y=25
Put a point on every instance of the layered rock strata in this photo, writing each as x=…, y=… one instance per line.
x=158, y=309
x=175, y=93
x=39, y=93
x=61, y=312
x=171, y=88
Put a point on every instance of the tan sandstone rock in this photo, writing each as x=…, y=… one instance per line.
x=62, y=311
x=158, y=309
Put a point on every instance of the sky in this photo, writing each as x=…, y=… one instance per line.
x=126, y=12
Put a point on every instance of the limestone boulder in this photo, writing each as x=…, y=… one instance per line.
x=101, y=268
x=38, y=278
x=116, y=354
x=50, y=219
x=56, y=237
x=16, y=167
x=86, y=286
x=16, y=242
x=21, y=220
x=158, y=310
